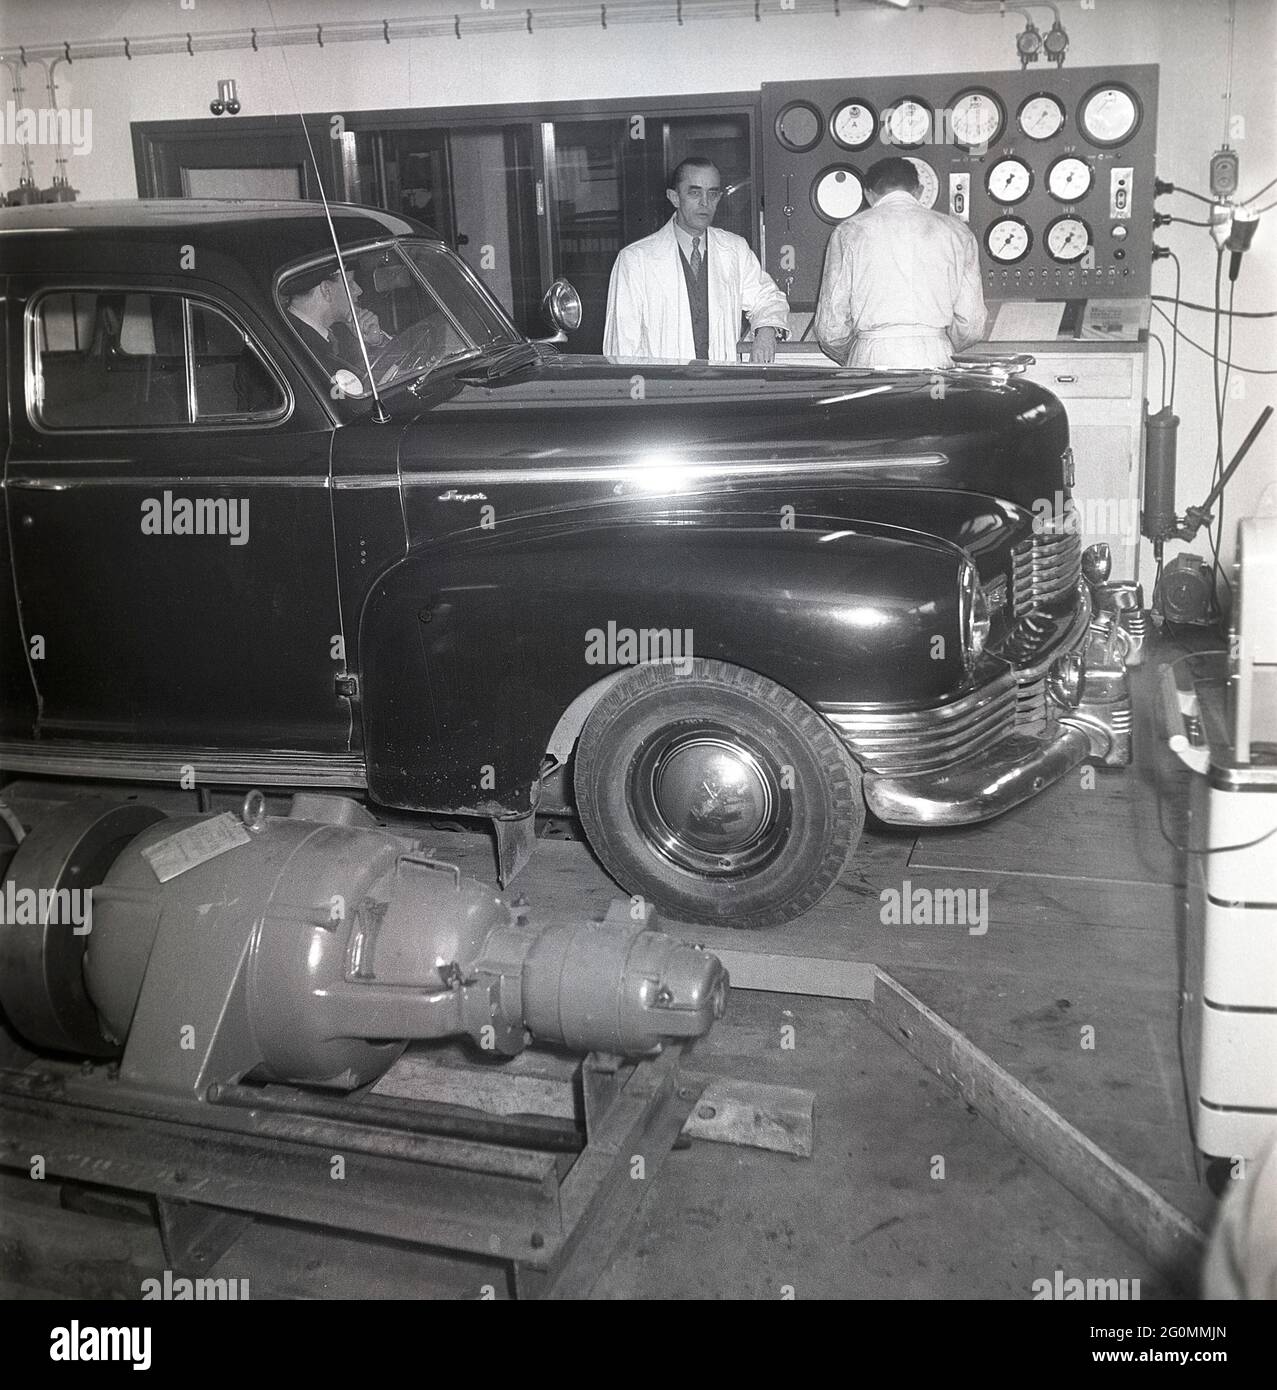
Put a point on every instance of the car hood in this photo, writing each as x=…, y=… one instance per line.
x=681, y=428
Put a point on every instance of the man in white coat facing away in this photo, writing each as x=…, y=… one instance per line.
x=679, y=294
x=902, y=283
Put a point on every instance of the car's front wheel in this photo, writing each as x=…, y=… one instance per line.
x=717, y=795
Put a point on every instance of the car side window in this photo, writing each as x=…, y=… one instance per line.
x=116, y=359
x=231, y=379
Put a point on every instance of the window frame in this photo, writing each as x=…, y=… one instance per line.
x=32, y=375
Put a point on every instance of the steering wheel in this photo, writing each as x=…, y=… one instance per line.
x=415, y=350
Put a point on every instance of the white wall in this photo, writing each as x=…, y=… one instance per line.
x=1188, y=38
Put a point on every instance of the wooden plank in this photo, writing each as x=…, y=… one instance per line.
x=753, y=1115
x=1163, y=1235
x=780, y=973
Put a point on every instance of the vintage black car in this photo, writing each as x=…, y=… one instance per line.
x=443, y=563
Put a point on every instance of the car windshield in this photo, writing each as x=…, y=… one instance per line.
x=417, y=309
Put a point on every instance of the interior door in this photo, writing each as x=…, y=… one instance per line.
x=17, y=694
x=173, y=535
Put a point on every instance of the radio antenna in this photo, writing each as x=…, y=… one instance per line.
x=379, y=412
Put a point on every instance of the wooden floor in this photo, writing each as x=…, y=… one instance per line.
x=1074, y=988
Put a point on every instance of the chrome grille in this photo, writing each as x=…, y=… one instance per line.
x=1044, y=570
x=1031, y=707
x=925, y=740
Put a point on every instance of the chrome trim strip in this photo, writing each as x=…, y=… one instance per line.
x=267, y=768
x=672, y=477
x=62, y=483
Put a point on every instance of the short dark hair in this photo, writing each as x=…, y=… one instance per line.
x=695, y=161
x=892, y=172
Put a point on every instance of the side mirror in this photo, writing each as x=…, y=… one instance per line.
x=562, y=308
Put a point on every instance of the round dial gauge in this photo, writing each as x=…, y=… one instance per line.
x=854, y=124
x=799, y=126
x=837, y=192
x=909, y=122
x=1008, y=240
x=1109, y=114
x=1041, y=117
x=1069, y=179
x=930, y=190
x=1068, y=239
x=976, y=119
x=1009, y=181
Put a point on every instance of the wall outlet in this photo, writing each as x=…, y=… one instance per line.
x=1225, y=173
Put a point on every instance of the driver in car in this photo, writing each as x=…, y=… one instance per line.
x=320, y=312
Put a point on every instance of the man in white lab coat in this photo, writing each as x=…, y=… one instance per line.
x=902, y=283
x=680, y=293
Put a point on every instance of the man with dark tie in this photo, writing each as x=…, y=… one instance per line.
x=680, y=293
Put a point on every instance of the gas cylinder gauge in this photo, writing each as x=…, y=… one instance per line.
x=1069, y=179
x=1068, y=239
x=1041, y=116
x=930, y=184
x=976, y=119
x=1109, y=114
x=1009, y=181
x=909, y=122
x=853, y=124
x=1008, y=240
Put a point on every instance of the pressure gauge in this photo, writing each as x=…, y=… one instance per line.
x=1109, y=114
x=1008, y=240
x=1041, y=116
x=854, y=125
x=799, y=127
x=909, y=122
x=1068, y=239
x=930, y=189
x=1009, y=181
x=976, y=118
x=1069, y=179
x=837, y=192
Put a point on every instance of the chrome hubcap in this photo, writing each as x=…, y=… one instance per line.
x=708, y=802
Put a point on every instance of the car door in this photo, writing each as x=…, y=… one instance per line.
x=173, y=548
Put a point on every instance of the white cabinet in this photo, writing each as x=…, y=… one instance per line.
x=1103, y=392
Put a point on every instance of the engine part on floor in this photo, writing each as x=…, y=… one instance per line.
x=308, y=948
x=1124, y=599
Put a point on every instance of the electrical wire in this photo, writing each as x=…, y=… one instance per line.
x=1236, y=366
x=1179, y=270
x=1206, y=308
x=1188, y=222
x=1188, y=193
x=1162, y=349
x=1261, y=192
x=1268, y=207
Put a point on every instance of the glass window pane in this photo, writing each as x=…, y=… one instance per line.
x=110, y=360
x=231, y=379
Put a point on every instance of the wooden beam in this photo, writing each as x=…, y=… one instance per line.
x=1163, y=1235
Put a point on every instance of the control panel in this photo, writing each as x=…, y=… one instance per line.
x=1053, y=172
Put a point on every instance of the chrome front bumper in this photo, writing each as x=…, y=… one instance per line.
x=980, y=756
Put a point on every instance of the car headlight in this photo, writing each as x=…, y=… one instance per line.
x=975, y=613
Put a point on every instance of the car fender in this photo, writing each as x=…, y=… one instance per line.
x=473, y=649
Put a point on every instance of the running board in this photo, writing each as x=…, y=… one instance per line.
x=146, y=763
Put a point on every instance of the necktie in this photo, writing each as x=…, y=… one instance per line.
x=697, y=259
